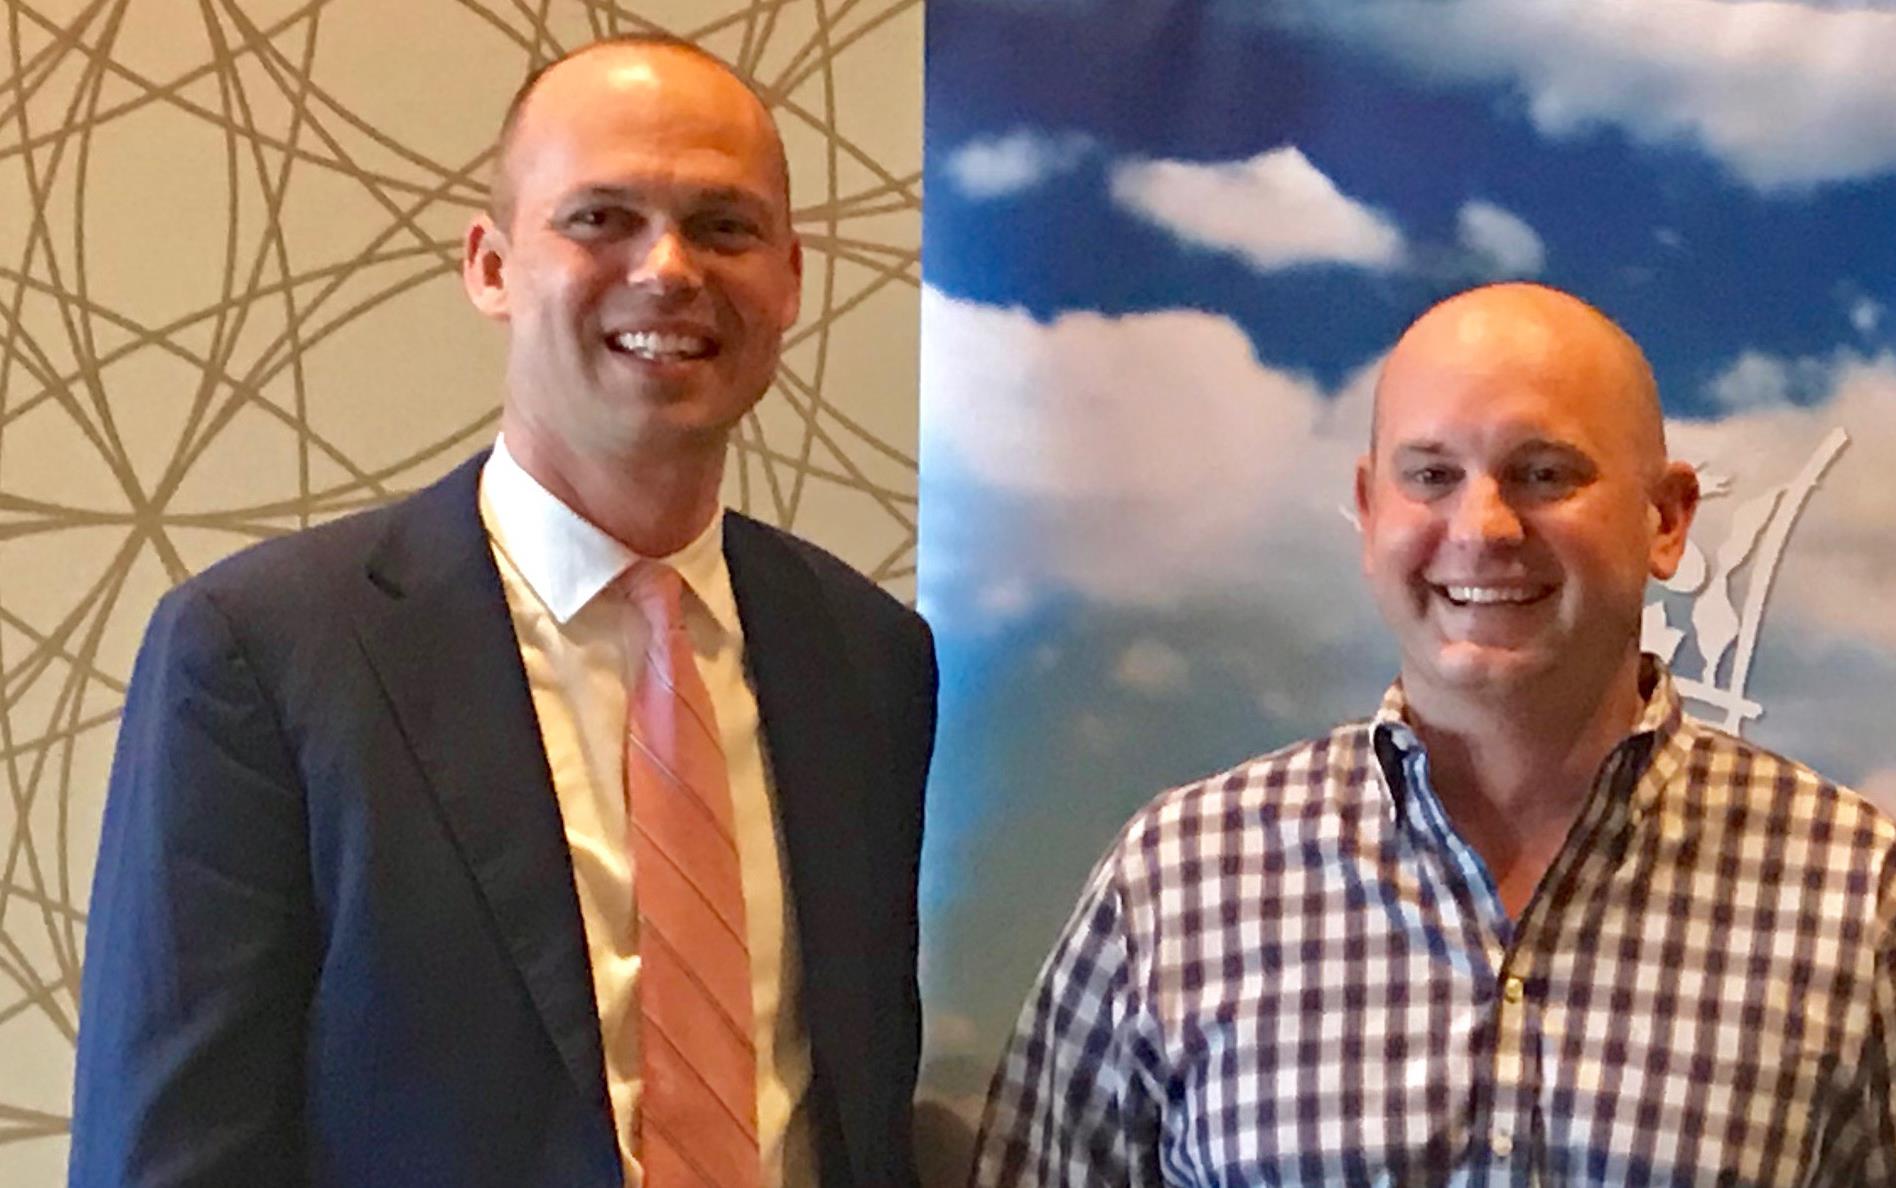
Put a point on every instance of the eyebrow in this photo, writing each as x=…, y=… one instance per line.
x=708, y=195
x=1541, y=445
x=1530, y=446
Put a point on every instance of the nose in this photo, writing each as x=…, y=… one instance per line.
x=668, y=264
x=1483, y=514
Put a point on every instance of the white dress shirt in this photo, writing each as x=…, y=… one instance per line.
x=554, y=564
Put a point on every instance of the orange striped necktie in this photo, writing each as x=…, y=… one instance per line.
x=698, y=1110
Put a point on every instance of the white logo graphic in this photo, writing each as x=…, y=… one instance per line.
x=1728, y=593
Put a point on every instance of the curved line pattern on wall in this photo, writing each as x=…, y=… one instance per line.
x=229, y=308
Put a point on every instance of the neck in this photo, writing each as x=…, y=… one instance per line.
x=1514, y=771
x=654, y=500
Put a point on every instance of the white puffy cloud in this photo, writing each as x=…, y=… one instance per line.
x=1757, y=380
x=1866, y=314
x=1501, y=241
x=1140, y=460
x=1785, y=94
x=1276, y=210
x=994, y=166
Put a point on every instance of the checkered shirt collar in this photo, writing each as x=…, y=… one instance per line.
x=1653, y=746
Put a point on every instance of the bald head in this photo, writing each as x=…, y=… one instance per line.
x=1535, y=331
x=561, y=72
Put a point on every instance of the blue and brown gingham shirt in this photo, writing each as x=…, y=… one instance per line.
x=1297, y=973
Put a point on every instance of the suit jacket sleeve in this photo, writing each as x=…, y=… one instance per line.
x=201, y=951
x=921, y=714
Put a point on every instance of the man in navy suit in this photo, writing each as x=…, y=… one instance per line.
x=363, y=911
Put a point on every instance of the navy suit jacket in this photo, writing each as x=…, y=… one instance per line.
x=334, y=937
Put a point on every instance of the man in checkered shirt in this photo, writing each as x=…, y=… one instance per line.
x=1529, y=924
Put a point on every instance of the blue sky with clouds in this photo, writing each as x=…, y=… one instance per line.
x=1166, y=244
x=1702, y=254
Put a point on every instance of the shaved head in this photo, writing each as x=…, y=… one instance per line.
x=1505, y=324
x=500, y=199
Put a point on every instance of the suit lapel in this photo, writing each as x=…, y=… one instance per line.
x=806, y=695
x=443, y=645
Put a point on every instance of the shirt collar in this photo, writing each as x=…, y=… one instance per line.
x=1397, y=745
x=566, y=560
x=1653, y=751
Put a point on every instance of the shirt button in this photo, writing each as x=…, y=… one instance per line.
x=1513, y=990
x=1502, y=1144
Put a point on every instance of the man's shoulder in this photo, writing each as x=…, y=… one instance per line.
x=1718, y=770
x=298, y=555
x=310, y=568
x=751, y=539
x=1304, y=779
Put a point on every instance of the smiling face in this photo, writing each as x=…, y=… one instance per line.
x=643, y=258
x=1516, y=500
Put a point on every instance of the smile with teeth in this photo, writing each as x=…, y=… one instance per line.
x=1491, y=595
x=660, y=346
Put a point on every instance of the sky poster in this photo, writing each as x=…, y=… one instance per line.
x=1166, y=246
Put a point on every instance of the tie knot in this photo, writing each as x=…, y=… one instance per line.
x=658, y=591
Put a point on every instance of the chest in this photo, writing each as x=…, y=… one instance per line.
x=1363, y=1014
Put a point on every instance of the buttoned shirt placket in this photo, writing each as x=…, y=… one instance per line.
x=1506, y=1141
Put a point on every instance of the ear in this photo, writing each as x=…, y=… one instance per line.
x=1365, y=480
x=484, y=267
x=1675, y=499
x=793, y=303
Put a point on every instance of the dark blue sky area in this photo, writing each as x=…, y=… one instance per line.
x=1156, y=79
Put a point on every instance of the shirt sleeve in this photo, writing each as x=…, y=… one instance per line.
x=1076, y=1098
x=1862, y=1149
x=1881, y=1169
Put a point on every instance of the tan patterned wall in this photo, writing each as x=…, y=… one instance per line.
x=229, y=307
